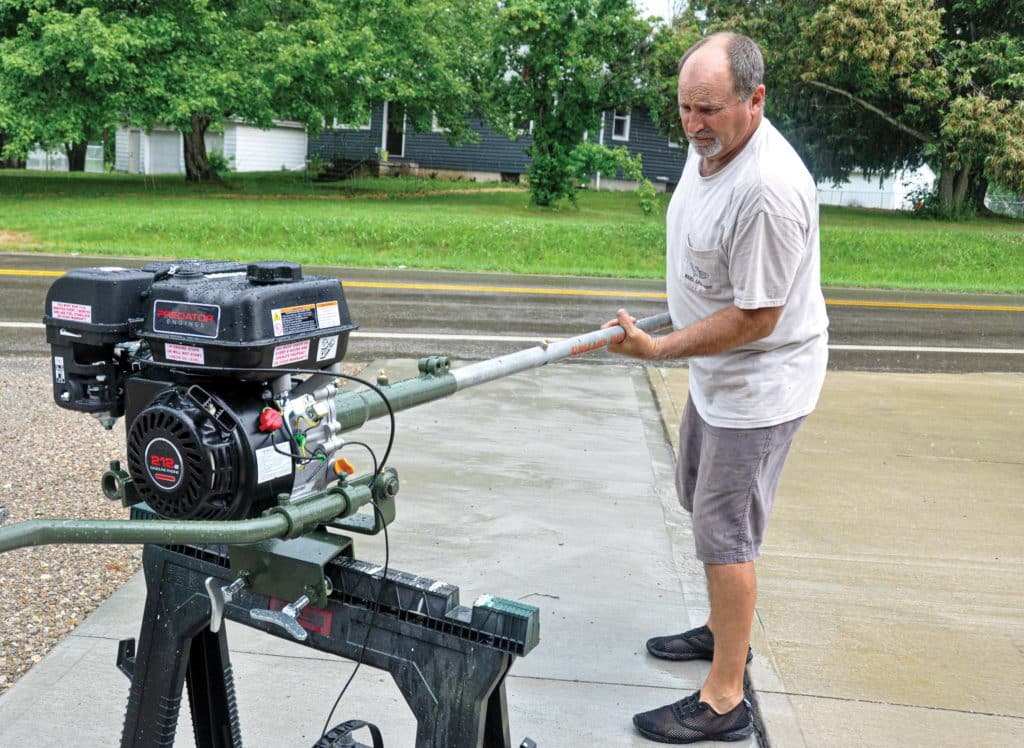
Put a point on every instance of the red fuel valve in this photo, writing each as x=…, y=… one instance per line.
x=270, y=420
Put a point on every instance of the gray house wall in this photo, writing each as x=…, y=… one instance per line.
x=662, y=163
x=493, y=153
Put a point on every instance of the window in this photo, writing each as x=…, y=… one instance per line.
x=620, y=125
x=525, y=127
x=343, y=126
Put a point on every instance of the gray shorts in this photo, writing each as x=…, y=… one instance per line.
x=726, y=478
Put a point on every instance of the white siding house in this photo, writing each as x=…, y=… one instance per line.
x=246, y=148
x=888, y=193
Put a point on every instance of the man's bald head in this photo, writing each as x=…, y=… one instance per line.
x=745, y=61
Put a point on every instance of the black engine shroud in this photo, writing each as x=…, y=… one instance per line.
x=186, y=351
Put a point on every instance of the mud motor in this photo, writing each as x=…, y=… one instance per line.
x=193, y=355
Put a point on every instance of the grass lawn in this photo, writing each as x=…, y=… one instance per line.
x=459, y=225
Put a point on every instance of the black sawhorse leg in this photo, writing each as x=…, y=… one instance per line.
x=176, y=646
x=454, y=686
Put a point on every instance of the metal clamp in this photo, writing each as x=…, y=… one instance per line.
x=221, y=596
x=287, y=617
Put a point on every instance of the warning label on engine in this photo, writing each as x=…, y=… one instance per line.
x=181, y=318
x=186, y=354
x=327, y=314
x=290, y=353
x=327, y=348
x=272, y=464
x=294, y=319
x=71, y=312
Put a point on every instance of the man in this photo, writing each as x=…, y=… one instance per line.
x=746, y=304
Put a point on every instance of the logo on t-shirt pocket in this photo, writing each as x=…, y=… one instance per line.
x=702, y=269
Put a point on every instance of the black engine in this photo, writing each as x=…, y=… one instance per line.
x=198, y=357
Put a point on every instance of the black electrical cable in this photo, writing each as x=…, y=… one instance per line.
x=294, y=457
x=369, y=627
x=378, y=467
x=283, y=370
x=366, y=446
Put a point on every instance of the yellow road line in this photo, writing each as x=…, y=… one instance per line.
x=507, y=289
x=655, y=295
x=924, y=305
x=32, y=273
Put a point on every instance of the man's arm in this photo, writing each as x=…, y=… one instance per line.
x=725, y=329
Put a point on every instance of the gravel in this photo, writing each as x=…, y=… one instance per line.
x=51, y=460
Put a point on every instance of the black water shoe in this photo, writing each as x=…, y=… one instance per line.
x=691, y=720
x=695, y=644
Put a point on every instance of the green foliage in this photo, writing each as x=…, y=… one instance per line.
x=591, y=158
x=559, y=64
x=883, y=85
x=75, y=68
x=661, y=72
x=218, y=162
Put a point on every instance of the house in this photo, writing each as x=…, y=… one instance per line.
x=246, y=148
x=890, y=192
x=386, y=141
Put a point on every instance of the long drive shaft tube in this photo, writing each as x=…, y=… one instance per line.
x=353, y=409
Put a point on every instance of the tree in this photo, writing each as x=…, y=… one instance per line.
x=882, y=85
x=60, y=74
x=661, y=71
x=72, y=67
x=559, y=64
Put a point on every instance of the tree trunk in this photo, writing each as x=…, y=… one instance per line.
x=945, y=188
x=197, y=163
x=952, y=188
x=76, y=156
x=963, y=180
x=978, y=190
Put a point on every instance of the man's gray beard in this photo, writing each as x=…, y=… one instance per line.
x=707, y=151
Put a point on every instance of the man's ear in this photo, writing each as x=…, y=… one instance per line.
x=757, y=99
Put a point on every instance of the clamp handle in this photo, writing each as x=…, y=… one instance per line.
x=221, y=596
x=286, y=618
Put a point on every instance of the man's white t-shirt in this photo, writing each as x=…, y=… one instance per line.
x=748, y=236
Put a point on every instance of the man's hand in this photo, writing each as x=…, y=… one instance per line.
x=636, y=343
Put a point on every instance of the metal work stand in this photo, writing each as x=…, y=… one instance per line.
x=449, y=661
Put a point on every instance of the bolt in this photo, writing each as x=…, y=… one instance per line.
x=65, y=397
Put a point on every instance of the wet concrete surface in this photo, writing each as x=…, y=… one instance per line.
x=520, y=488
x=891, y=606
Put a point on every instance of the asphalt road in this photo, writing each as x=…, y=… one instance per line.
x=405, y=313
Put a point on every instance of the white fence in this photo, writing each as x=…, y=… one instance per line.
x=1006, y=205
x=858, y=198
x=40, y=160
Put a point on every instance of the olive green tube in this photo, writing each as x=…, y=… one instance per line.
x=284, y=521
x=356, y=408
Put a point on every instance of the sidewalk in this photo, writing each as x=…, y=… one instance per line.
x=546, y=487
x=891, y=609
x=891, y=601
